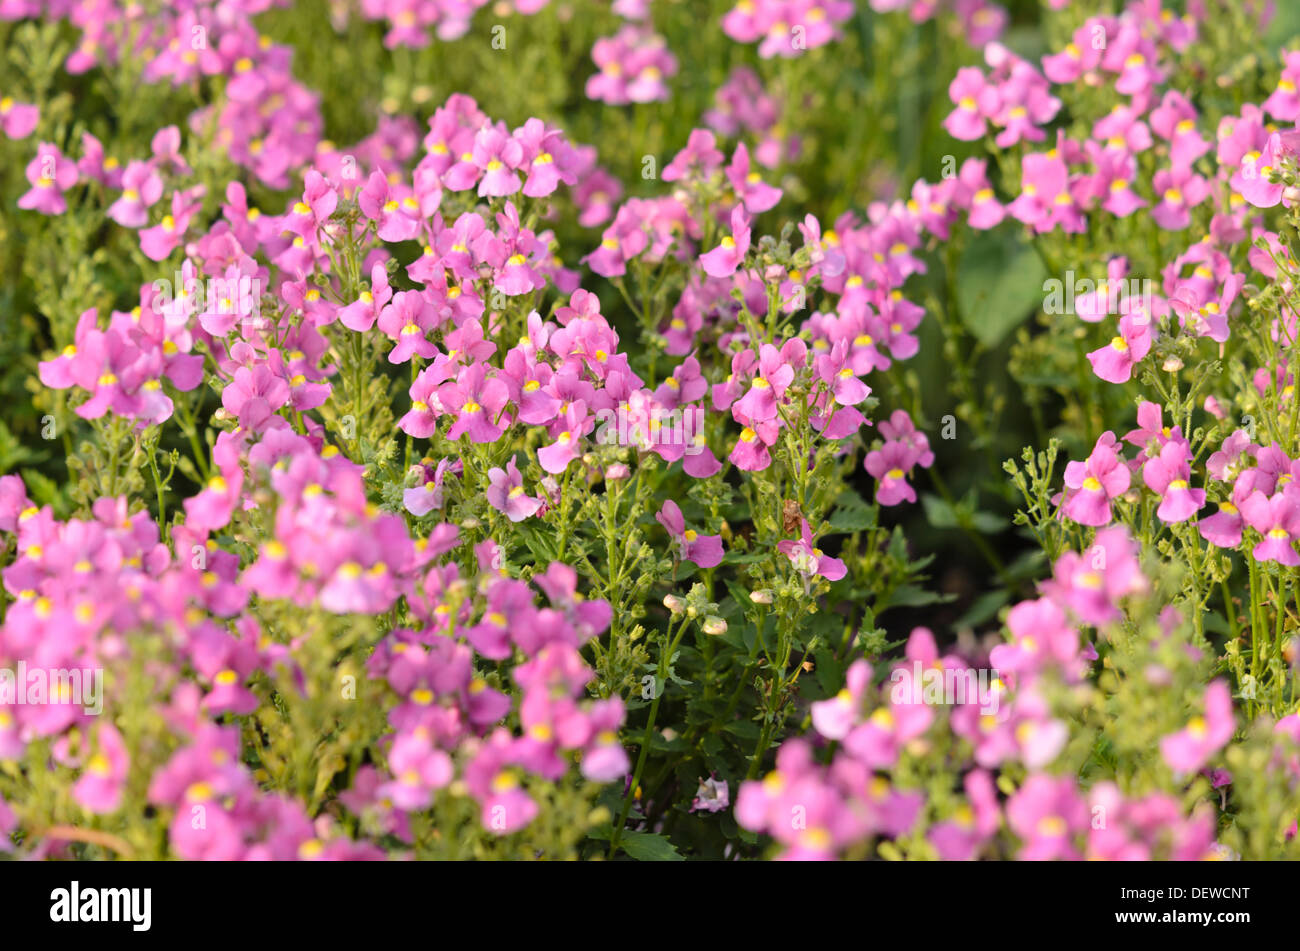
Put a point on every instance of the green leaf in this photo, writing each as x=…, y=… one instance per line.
x=852, y=514
x=938, y=512
x=43, y=490
x=999, y=281
x=743, y=729
x=984, y=607
x=914, y=596
x=649, y=847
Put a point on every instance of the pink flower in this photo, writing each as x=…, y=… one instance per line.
x=1041, y=638
x=1253, y=181
x=498, y=155
x=703, y=550
x=750, y=453
x=99, y=790
x=1093, y=583
x=1278, y=520
x=18, y=120
x=808, y=559
x=361, y=314
x=1081, y=55
x=142, y=186
x=1092, y=484
x=1190, y=748
x=1167, y=474
x=756, y=195
x=976, y=103
x=1284, y=103
x=1047, y=813
x=50, y=175
x=1114, y=362
x=960, y=838
x=730, y=253
x=1180, y=190
x=478, y=402
x=506, y=493
x=397, y=215
x=556, y=457
x=698, y=160
x=407, y=319
x=713, y=795
x=633, y=65
x=418, y=770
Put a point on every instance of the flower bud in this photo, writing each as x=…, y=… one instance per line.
x=714, y=625
x=674, y=603
x=761, y=596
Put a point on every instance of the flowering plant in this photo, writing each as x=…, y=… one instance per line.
x=594, y=448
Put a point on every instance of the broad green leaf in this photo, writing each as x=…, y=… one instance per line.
x=999, y=282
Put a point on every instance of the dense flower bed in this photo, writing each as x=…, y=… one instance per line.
x=575, y=463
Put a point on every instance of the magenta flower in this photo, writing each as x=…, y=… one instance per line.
x=1180, y=190
x=749, y=187
x=397, y=215
x=575, y=423
x=703, y=550
x=633, y=65
x=17, y=119
x=498, y=155
x=407, y=319
x=1257, y=167
x=478, y=402
x=50, y=175
x=1047, y=813
x=1190, y=748
x=767, y=388
x=506, y=493
x=1114, y=362
x=142, y=186
x=418, y=769
x=808, y=559
x=1277, y=519
x=730, y=253
x=976, y=101
x=361, y=314
x=1041, y=638
x=1092, y=484
x=712, y=795
x=99, y=790
x=1168, y=474
x=835, y=717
